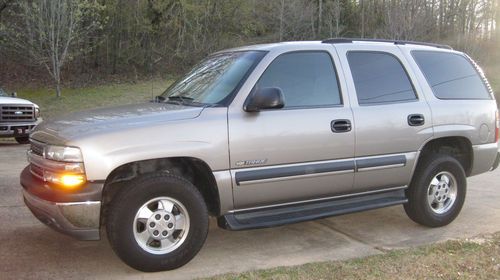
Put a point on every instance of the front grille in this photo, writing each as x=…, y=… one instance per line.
x=36, y=170
x=37, y=148
x=17, y=113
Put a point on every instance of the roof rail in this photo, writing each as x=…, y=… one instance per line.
x=395, y=42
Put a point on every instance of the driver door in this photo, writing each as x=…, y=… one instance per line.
x=299, y=152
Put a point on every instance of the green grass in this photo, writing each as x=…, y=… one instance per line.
x=464, y=259
x=92, y=97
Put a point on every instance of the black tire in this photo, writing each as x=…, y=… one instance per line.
x=126, y=203
x=418, y=208
x=23, y=140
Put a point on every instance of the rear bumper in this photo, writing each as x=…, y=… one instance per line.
x=71, y=214
x=496, y=163
x=484, y=157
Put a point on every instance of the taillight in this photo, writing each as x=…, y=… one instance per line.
x=497, y=122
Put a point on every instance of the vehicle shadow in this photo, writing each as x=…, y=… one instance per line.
x=11, y=144
x=53, y=255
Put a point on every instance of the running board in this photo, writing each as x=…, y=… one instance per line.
x=282, y=215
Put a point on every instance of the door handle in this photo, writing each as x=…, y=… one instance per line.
x=416, y=120
x=341, y=126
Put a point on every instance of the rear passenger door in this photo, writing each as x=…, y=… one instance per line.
x=392, y=119
x=294, y=153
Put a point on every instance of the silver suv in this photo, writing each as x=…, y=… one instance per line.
x=268, y=135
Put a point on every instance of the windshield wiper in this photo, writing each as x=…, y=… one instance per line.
x=183, y=99
x=188, y=101
x=180, y=100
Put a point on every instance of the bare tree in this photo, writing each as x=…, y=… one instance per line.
x=143, y=36
x=49, y=28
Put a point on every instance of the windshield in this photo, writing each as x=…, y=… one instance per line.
x=214, y=80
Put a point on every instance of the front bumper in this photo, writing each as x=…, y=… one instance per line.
x=21, y=129
x=69, y=213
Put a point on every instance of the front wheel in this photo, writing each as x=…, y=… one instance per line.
x=437, y=192
x=23, y=140
x=158, y=222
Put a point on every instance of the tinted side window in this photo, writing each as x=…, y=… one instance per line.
x=306, y=79
x=450, y=75
x=379, y=78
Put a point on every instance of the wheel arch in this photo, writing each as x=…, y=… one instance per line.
x=459, y=147
x=197, y=171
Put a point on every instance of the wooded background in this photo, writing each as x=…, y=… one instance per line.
x=86, y=41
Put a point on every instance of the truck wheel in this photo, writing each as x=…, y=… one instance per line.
x=437, y=192
x=23, y=140
x=157, y=222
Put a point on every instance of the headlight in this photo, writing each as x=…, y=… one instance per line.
x=59, y=165
x=67, y=154
x=37, y=112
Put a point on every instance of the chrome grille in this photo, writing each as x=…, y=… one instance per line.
x=37, y=148
x=17, y=113
x=36, y=170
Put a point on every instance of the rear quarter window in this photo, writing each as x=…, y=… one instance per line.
x=451, y=75
x=379, y=78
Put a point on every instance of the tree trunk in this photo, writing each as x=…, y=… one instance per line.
x=362, y=4
x=320, y=12
x=58, y=88
x=282, y=11
x=337, y=19
x=497, y=20
x=57, y=79
x=441, y=18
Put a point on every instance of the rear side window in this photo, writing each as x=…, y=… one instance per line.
x=450, y=75
x=305, y=78
x=379, y=78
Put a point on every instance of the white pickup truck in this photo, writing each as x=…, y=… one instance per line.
x=17, y=117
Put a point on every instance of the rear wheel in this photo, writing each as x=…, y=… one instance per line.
x=23, y=140
x=158, y=222
x=437, y=191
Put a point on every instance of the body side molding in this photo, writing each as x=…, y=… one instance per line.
x=280, y=173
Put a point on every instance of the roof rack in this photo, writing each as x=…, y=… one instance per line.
x=395, y=42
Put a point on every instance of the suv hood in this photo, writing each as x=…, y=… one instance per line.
x=105, y=120
x=14, y=100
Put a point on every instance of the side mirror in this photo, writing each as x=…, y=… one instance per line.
x=264, y=98
x=14, y=94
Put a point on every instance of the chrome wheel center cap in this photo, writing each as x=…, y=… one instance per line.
x=161, y=224
x=441, y=192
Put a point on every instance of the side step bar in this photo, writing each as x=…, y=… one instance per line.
x=282, y=215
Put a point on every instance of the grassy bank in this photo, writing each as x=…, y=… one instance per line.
x=465, y=259
x=92, y=97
